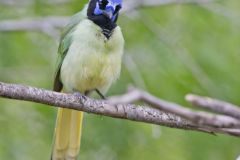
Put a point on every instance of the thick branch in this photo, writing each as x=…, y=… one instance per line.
x=82, y=103
x=123, y=111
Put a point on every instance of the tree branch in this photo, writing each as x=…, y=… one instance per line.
x=31, y=2
x=201, y=118
x=214, y=105
x=131, y=5
x=49, y=25
x=108, y=108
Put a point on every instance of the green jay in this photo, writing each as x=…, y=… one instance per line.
x=90, y=55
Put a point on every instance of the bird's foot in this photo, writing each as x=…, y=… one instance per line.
x=100, y=94
x=78, y=94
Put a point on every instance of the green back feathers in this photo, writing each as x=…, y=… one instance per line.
x=65, y=42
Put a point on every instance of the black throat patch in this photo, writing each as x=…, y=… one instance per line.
x=107, y=33
x=102, y=21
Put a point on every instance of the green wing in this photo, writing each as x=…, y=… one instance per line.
x=65, y=42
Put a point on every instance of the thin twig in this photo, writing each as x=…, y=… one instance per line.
x=214, y=105
x=49, y=24
x=131, y=5
x=24, y=3
x=201, y=118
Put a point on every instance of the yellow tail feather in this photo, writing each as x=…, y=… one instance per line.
x=67, y=134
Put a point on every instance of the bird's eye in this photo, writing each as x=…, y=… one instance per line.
x=118, y=7
x=103, y=4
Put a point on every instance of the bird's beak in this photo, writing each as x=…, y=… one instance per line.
x=108, y=13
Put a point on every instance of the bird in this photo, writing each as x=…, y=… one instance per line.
x=90, y=56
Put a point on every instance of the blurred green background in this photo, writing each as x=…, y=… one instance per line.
x=171, y=50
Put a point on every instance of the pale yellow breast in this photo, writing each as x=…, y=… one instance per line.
x=92, y=61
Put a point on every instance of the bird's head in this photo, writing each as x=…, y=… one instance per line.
x=104, y=12
x=108, y=8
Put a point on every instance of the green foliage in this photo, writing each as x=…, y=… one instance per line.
x=177, y=49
